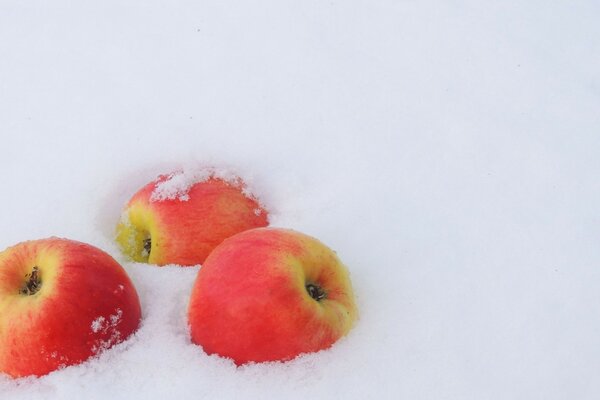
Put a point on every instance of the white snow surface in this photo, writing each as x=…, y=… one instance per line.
x=449, y=151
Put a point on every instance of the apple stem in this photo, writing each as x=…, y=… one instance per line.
x=33, y=284
x=315, y=291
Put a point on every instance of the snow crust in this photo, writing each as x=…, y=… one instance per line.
x=448, y=151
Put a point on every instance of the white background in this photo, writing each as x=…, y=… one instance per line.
x=447, y=150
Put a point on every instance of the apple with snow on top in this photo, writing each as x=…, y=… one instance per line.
x=181, y=217
x=270, y=294
x=61, y=302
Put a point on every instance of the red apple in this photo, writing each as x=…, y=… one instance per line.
x=61, y=302
x=179, y=219
x=270, y=294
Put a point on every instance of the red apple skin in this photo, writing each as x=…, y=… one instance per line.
x=86, y=303
x=250, y=302
x=184, y=232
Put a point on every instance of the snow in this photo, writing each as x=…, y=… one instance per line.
x=448, y=151
x=97, y=324
x=176, y=185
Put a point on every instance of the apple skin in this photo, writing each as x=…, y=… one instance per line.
x=250, y=300
x=185, y=231
x=85, y=304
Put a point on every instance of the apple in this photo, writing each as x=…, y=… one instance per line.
x=61, y=302
x=180, y=218
x=270, y=294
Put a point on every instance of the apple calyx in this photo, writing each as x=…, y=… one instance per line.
x=316, y=291
x=147, y=244
x=33, y=284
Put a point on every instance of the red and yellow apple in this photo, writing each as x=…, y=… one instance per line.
x=172, y=221
x=61, y=302
x=270, y=294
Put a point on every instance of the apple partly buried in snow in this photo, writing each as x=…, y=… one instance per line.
x=180, y=218
x=61, y=302
x=270, y=294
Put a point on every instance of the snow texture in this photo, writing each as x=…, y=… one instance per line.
x=447, y=150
